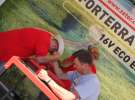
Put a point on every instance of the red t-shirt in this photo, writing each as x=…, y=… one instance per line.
x=24, y=42
x=71, y=68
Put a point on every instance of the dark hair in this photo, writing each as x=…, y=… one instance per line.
x=76, y=53
x=52, y=50
x=83, y=56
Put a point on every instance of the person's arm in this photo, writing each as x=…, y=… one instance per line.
x=61, y=92
x=47, y=58
x=58, y=71
x=68, y=62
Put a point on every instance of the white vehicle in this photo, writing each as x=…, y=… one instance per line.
x=2, y=1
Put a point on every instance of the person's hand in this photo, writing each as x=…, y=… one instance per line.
x=56, y=55
x=55, y=64
x=43, y=75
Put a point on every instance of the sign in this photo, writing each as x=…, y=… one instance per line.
x=113, y=26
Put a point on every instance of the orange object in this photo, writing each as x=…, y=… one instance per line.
x=31, y=75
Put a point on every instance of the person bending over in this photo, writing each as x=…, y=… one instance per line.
x=27, y=42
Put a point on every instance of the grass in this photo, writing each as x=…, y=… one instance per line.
x=115, y=84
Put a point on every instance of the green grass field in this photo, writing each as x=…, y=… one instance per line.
x=116, y=82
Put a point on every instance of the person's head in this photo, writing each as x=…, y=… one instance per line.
x=83, y=61
x=53, y=45
x=57, y=44
x=94, y=52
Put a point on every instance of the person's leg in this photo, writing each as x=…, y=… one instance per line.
x=2, y=69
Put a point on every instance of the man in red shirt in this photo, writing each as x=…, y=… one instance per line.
x=27, y=42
